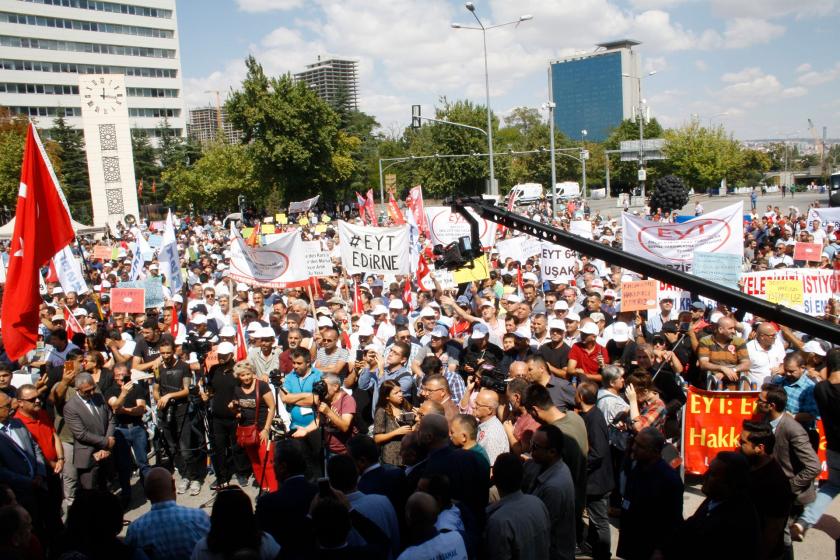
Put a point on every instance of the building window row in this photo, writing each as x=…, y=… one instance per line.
x=78, y=25
x=71, y=68
x=159, y=133
x=47, y=111
x=47, y=89
x=112, y=7
x=154, y=113
x=151, y=92
x=60, y=89
x=73, y=46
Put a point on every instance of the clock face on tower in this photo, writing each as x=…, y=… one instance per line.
x=102, y=95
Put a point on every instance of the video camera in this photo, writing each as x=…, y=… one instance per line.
x=493, y=378
x=196, y=343
x=319, y=389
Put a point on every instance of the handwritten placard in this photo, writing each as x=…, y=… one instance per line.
x=128, y=300
x=103, y=252
x=720, y=268
x=785, y=292
x=638, y=296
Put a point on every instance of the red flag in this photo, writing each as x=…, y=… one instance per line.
x=394, y=211
x=173, y=326
x=371, y=207
x=140, y=189
x=241, y=347
x=52, y=275
x=519, y=283
x=316, y=287
x=73, y=325
x=42, y=229
x=422, y=271
x=407, y=294
x=360, y=204
x=358, y=304
x=415, y=204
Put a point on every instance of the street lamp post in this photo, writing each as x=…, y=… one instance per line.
x=584, y=155
x=641, y=119
x=551, y=105
x=484, y=28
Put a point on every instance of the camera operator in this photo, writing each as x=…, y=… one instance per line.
x=479, y=351
x=171, y=393
x=336, y=413
x=297, y=393
x=228, y=456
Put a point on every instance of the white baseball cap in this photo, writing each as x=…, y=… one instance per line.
x=225, y=348
x=379, y=310
x=428, y=312
x=572, y=316
x=590, y=328
x=324, y=322
x=396, y=304
x=561, y=305
x=557, y=324
x=364, y=330
x=199, y=319
x=264, y=332
x=227, y=331
x=620, y=331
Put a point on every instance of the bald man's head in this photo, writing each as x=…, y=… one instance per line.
x=159, y=485
x=434, y=431
x=518, y=369
x=421, y=511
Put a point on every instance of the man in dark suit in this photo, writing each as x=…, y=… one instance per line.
x=375, y=477
x=22, y=464
x=92, y=424
x=469, y=475
x=283, y=513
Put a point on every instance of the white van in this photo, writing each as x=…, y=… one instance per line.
x=525, y=193
x=567, y=190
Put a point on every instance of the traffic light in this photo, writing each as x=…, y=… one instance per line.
x=416, y=121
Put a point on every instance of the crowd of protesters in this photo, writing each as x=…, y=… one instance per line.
x=510, y=418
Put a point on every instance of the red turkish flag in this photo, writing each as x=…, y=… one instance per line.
x=360, y=204
x=371, y=207
x=241, y=346
x=394, y=211
x=358, y=304
x=42, y=229
x=422, y=271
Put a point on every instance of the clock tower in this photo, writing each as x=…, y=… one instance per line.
x=108, y=146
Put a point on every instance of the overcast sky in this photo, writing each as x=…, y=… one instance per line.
x=759, y=67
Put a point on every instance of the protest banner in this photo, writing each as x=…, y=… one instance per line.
x=674, y=245
x=152, y=289
x=681, y=297
x=304, y=205
x=280, y=264
x=69, y=271
x=818, y=285
x=102, y=252
x=785, y=292
x=318, y=262
x=720, y=268
x=825, y=216
x=157, y=225
x=155, y=240
x=446, y=226
x=374, y=250
x=518, y=248
x=557, y=263
x=128, y=300
x=807, y=251
x=638, y=296
x=478, y=270
x=582, y=228
x=712, y=422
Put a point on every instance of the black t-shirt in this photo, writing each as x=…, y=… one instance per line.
x=223, y=384
x=247, y=404
x=558, y=357
x=138, y=391
x=149, y=351
x=106, y=381
x=172, y=378
x=827, y=396
x=623, y=355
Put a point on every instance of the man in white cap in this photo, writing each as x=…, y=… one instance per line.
x=555, y=353
x=382, y=329
x=265, y=356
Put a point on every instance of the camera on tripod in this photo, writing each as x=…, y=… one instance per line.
x=275, y=377
x=277, y=430
x=198, y=344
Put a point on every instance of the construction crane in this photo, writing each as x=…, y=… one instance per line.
x=819, y=146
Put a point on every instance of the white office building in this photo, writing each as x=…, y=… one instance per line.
x=46, y=44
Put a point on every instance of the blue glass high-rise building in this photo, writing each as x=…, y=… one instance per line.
x=592, y=91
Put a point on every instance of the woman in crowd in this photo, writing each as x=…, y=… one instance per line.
x=234, y=532
x=93, y=363
x=255, y=409
x=646, y=408
x=388, y=426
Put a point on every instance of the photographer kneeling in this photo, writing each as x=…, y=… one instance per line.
x=254, y=406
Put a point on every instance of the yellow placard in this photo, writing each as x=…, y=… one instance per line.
x=246, y=232
x=267, y=228
x=320, y=228
x=277, y=217
x=282, y=219
x=304, y=221
x=479, y=270
x=326, y=219
x=785, y=292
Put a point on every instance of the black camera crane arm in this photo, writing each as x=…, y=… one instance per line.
x=717, y=292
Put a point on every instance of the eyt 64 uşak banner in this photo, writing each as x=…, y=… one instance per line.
x=374, y=250
x=280, y=264
x=674, y=245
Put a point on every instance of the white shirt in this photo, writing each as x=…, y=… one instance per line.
x=764, y=360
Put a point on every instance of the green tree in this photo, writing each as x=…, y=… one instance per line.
x=753, y=166
x=146, y=167
x=13, y=129
x=624, y=174
x=291, y=135
x=702, y=156
x=222, y=173
x=74, y=169
x=174, y=150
